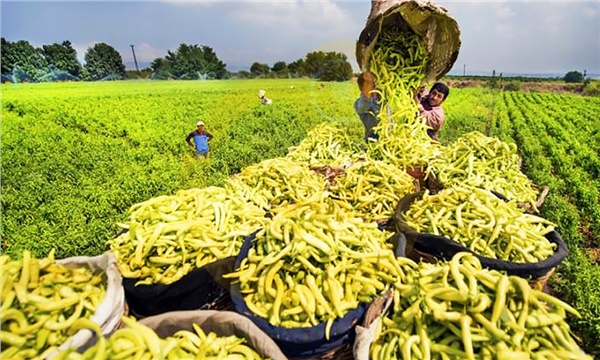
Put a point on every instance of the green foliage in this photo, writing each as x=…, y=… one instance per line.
x=544, y=128
x=21, y=61
x=512, y=86
x=495, y=82
x=257, y=69
x=189, y=62
x=161, y=69
x=592, y=89
x=573, y=77
x=337, y=68
x=327, y=66
x=103, y=62
x=63, y=57
x=243, y=74
x=313, y=63
x=467, y=110
x=279, y=66
x=295, y=67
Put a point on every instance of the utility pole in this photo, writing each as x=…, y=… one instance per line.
x=464, y=69
x=134, y=59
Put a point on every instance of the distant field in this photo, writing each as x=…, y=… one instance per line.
x=76, y=156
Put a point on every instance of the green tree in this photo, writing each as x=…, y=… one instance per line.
x=327, y=66
x=280, y=68
x=7, y=56
x=21, y=61
x=257, y=69
x=573, y=77
x=214, y=68
x=161, y=69
x=62, y=57
x=242, y=74
x=335, y=68
x=313, y=63
x=102, y=61
x=295, y=68
x=190, y=62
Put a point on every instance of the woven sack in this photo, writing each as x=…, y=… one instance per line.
x=430, y=248
x=308, y=342
x=431, y=22
x=365, y=332
x=109, y=311
x=222, y=323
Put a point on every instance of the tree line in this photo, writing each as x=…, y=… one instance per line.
x=21, y=62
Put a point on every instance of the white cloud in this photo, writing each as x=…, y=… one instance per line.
x=483, y=17
x=555, y=18
x=591, y=12
x=504, y=29
x=505, y=16
x=551, y=16
x=503, y=11
x=296, y=17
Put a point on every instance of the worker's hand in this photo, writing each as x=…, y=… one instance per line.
x=418, y=93
x=368, y=84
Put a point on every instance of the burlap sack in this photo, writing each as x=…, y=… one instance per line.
x=108, y=313
x=365, y=333
x=431, y=22
x=223, y=323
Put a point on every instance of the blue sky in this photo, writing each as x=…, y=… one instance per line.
x=510, y=37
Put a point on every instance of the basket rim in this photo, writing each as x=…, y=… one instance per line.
x=445, y=24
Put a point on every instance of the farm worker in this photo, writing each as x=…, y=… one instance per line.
x=201, y=138
x=430, y=107
x=263, y=98
x=367, y=105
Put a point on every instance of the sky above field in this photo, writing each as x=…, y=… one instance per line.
x=525, y=37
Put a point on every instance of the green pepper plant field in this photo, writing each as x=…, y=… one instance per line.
x=77, y=156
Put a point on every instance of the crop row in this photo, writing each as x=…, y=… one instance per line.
x=572, y=162
x=578, y=279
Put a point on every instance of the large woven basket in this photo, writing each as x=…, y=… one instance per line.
x=414, y=254
x=431, y=22
x=431, y=248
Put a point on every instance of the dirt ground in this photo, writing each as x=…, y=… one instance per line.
x=541, y=86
